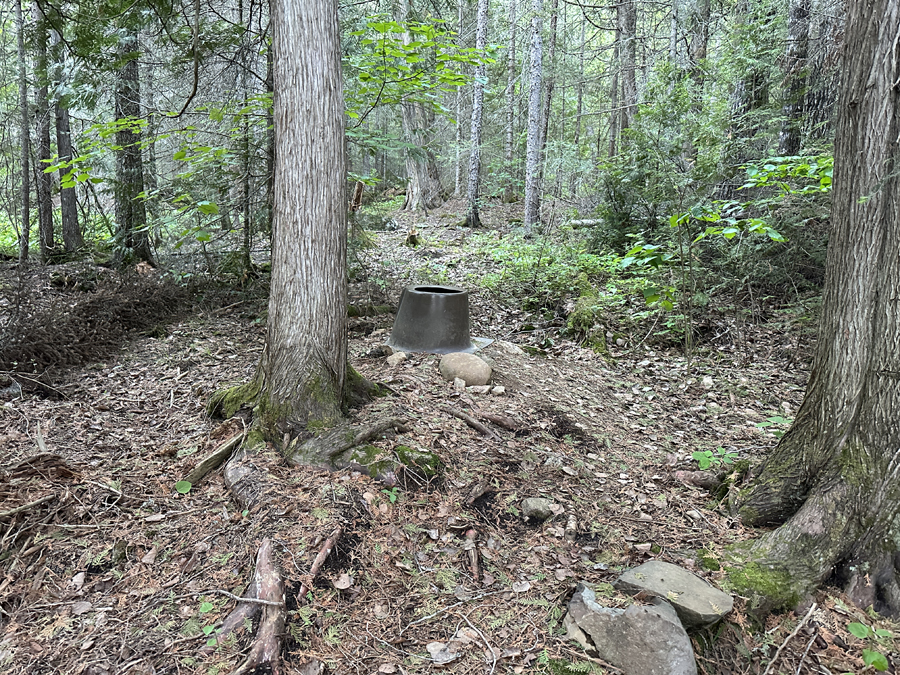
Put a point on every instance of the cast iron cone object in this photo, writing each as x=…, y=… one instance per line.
x=432, y=319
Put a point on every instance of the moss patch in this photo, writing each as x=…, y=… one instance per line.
x=226, y=402
x=768, y=588
x=427, y=463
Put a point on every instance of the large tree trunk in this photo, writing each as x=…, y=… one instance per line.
x=509, y=189
x=835, y=476
x=533, y=144
x=25, y=133
x=131, y=216
x=795, y=76
x=42, y=111
x=302, y=373
x=472, y=218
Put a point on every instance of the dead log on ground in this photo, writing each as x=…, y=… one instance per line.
x=214, y=460
x=471, y=421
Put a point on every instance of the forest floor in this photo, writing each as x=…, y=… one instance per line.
x=109, y=569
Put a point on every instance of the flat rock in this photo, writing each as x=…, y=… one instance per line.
x=466, y=367
x=697, y=602
x=640, y=640
x=536, y=508
x=396, y=358
x=509, y=348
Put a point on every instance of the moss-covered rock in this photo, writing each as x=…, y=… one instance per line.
x=426, y=462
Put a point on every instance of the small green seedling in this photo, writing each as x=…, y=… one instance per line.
x=878, y=636
x=709, y=458
x=775, y=420
x=182, y=487
x=393, y=494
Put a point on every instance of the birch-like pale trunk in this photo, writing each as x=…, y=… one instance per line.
x=474, y=183
x=509, y=188
x=533, y=143
x=835, y=475
x=302, y=372
x=457, y=169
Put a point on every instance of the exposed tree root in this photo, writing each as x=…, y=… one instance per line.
x=246, y=482
x=267, y=645
x=326, y=449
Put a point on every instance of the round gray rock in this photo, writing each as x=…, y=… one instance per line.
x=466, y=367
x=536, y=508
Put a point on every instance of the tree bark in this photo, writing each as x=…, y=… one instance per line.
x=533, y=145
x=509, y=188
x=131, y=216
x=302, y=372
x=457, y=177
x=424, y=190
x=25, y=132
x=472, y=217
x=42, y=111
x=834, y=475
x=71, y=232
x=795, y=77
x=626, y=14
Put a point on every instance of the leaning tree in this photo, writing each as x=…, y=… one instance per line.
x=832, y=481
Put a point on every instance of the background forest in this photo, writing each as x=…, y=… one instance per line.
x=675, y=135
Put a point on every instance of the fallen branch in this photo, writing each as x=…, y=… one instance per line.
x=244, y=611
x=267, y=645
x=471, y=421
x=500, y=420
x=214, y=460
x=28, y=506
x=319, y=560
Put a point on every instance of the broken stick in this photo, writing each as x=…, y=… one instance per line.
x=471, y=421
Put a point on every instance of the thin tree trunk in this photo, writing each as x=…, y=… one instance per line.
x=509, y=189
x=615, y=115
x=457, y=178
x=550, y=79
x=71, y=232
x=131, y=216
x=472, y=217
x=270, y=140
x=579, y=110
x=795, y=77
x=25, y=132
x=533, y=146
x=42, y=111
x=626, y=14
x=835, y=475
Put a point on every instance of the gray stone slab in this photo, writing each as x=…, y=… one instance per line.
x=640, y=640
x=697, y=602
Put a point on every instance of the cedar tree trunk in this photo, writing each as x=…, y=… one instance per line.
x=303, y=369
x=834, y=478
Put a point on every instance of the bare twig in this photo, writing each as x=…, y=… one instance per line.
x=28, y=506
x=789, y=638
x=483, y=639
x=449, y=608
x=255, y=601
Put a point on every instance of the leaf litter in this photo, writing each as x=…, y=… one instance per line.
x=111, y=568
